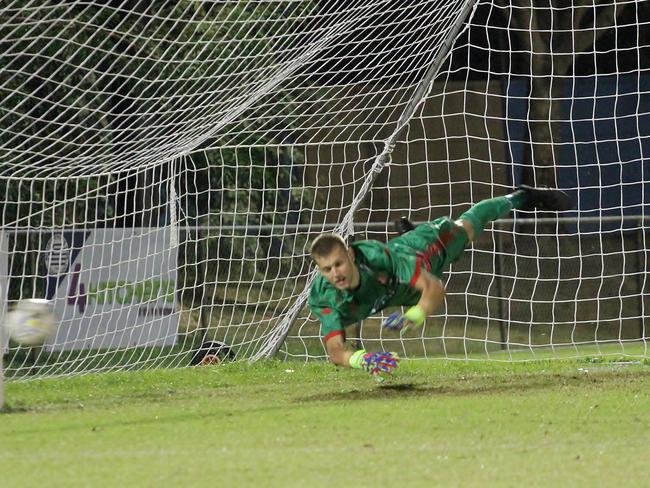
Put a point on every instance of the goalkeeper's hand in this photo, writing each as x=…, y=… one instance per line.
x=413, y=317
x=378, y=364
x=397, y=321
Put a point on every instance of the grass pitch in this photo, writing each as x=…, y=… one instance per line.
x=437, y=423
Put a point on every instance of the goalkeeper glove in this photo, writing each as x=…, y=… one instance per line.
x=413, y=317
x=378, y=364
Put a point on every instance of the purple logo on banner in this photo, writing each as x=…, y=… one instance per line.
x=61, y=250
x=77, y=291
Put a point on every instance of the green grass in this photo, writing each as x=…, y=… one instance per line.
x=437, y=423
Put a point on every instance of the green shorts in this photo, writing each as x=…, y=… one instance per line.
x=436, y=244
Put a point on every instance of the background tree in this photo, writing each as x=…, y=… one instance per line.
x=548, y=34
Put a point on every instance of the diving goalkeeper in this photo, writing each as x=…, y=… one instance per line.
x=359, y=280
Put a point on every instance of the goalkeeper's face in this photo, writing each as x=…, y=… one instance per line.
x=339, y=269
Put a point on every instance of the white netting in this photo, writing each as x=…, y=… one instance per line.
x=197, y=147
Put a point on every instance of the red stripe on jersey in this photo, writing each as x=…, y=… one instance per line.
x=441, y=243
x=416, y=275
x=335, y=333
x=327, y=311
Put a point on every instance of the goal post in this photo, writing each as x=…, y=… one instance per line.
x=165, y=167
x=3, y=312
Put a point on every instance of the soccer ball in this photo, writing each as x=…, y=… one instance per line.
x=32, y=322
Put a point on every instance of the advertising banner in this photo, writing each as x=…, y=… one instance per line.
x=112, y=287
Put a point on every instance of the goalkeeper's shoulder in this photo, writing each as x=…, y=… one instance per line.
x=320, y=288
x=321, y=293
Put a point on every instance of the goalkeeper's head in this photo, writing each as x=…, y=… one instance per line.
x=335, y=261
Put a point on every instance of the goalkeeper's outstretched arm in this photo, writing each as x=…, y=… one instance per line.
x=432, y=295
x=337, y=352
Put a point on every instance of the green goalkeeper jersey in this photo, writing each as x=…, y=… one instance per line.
x=388, y=273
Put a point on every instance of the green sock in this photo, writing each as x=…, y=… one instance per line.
x=492, y=209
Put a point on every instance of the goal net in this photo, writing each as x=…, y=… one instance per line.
x=166, y=164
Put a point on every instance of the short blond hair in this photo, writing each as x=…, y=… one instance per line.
x=324, y=244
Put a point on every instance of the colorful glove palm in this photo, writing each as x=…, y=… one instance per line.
x=378, y=364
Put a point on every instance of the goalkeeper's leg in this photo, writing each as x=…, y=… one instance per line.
x=486, y=211
x=524, y=198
